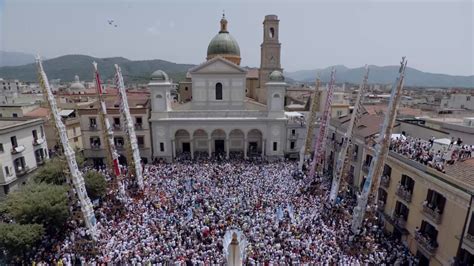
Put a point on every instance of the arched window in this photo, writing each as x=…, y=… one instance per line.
x=219, y=91
x=159, y=96
x=276, y=95
x=271, y=33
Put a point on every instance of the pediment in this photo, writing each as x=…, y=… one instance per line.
x=217, y=65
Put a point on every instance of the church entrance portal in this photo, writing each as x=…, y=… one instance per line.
x=186, y=147
x=253, y=148
x=219, y=144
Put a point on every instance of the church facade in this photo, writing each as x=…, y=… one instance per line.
x=220, y=119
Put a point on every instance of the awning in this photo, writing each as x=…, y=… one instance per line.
x=293, y=114
x=66, y=112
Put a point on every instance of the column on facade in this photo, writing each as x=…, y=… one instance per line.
x=173, y=149
x=227, y=149
x=209, y=147
x=263, y=147
x=245, y=148
x=191, y=141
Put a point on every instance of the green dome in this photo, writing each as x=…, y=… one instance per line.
x=223, y=44
x=276, y=76
x=159, y=75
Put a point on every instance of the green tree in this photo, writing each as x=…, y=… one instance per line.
x=38, y=204
x=52, y=172
x=18, y=239
x=95, y=184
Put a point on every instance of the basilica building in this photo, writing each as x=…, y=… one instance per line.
x=221, y=118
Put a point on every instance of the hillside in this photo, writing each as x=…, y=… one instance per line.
x=65, y=67
x=384, y=75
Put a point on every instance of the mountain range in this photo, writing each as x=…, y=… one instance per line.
x=383, y=75
x=67, y=66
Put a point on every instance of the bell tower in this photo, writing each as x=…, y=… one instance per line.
x=270, y=53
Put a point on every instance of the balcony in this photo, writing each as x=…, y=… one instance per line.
x=385, y=181
x=139, y=126
x=366, y=167
x=399, y=221
x=117, y=126
x=38, y=141
x=293, y=136
x=404, y=194
x=470, y=239
x=18, y=149
x=40, y=161
x=380, y=205
x=119, y=146
x=21, y=171
x=434, y=215
x=426, y=244
x=95, y=146
x=93, y=127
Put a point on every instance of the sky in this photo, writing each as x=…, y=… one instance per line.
x=436, y=36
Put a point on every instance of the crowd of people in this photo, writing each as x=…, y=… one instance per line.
x=424, y=152
x=188, y=206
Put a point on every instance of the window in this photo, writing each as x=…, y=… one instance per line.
x=293, y=132
x=219, y=91
x=292, y=145
x=35, y=134
x=15, y=115
x=368, y=160
x=138, y=119
x=42, y=131
x=117, y=121
x=186, y=88
x=387, y=170
x=429, y=231
x=159, y=96
x=140, y=140
x=435, y=201
x=468, y=98
x=95, y=142
x=92, y=122
x=408, y=183
x=339, y=113
x=276, y=95
x=7, y=171
x=356, y=151
x=1, y=147
x=14, y=142
x=401, y=210
x=119, y=142
x=271, y=33
x=275, y=146
x=76, y=139
x=470, y=230
x=162, y=147
x=382, y=196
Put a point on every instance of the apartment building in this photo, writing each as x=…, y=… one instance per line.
x=429, y=210
x=22, y=149
x=91, y=128
x=71, y=122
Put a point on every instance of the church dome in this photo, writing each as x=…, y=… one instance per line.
x=223, y=44
x=159, y=75
x=276, y=76
x=76, y=85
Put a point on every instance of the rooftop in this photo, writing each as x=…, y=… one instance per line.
x=6, y=123
x=462, y=170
